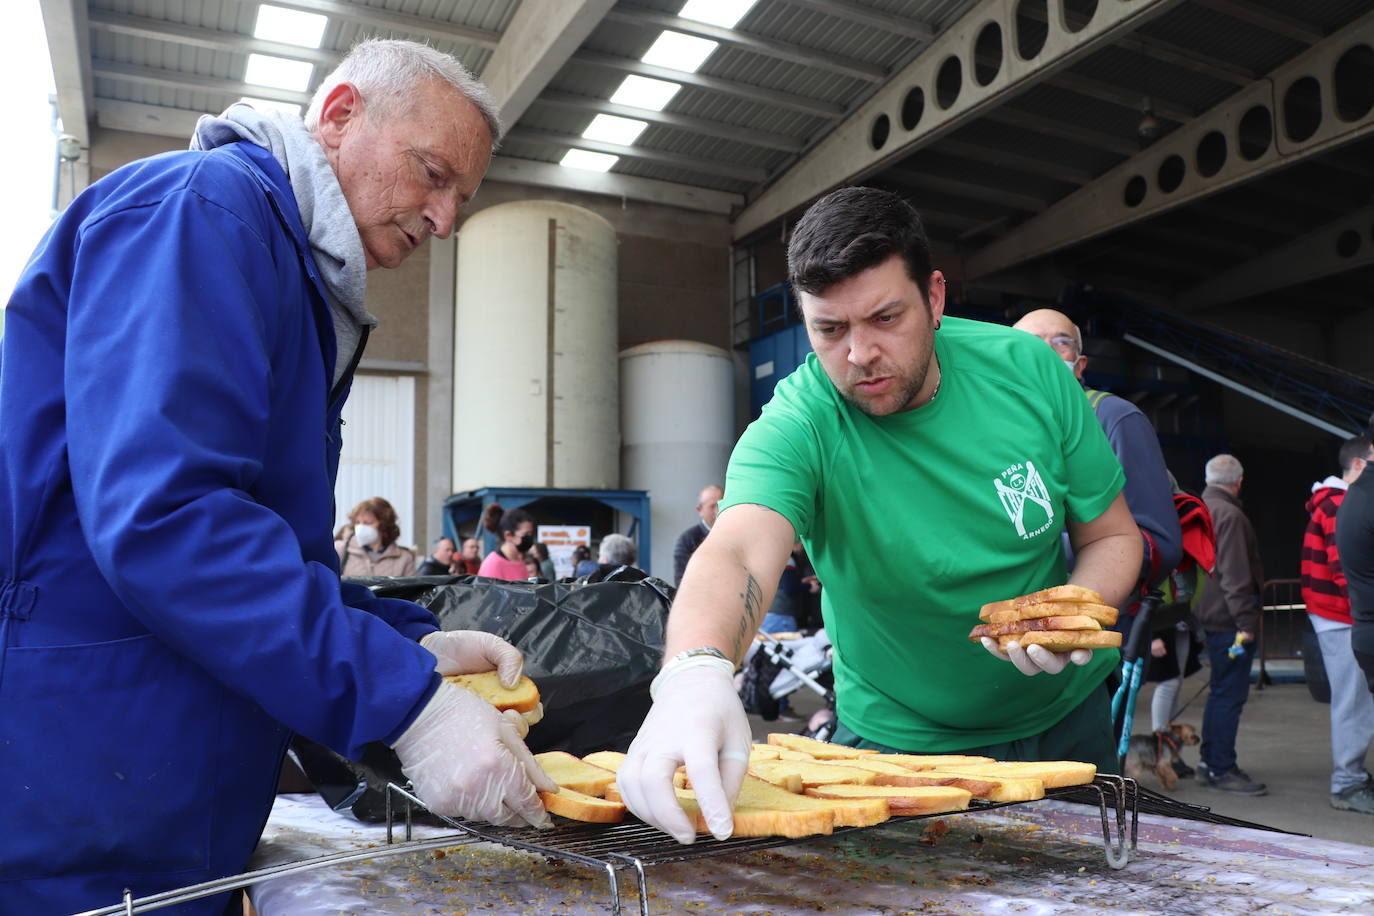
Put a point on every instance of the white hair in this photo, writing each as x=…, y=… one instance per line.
x=617, y=549
x=1223, y=470
x=386, y=71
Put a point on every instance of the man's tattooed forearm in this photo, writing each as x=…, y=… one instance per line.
x=753, y=613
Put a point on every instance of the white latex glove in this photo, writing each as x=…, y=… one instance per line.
x=465, y=759
x=472, y=651
x=1034, y=660
x=697, y=719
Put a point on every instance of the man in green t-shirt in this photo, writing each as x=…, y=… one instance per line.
x=929, y=465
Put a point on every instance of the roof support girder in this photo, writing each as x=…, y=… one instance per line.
x=69, y=46
x=768, y=47
x=534, y=47
x=851, y=152
x=871, y=17
x=1340, y=245
x=702, y=126
x=387, y=20
x=103, y=20
x=748, y=173
x=176, y=79
x=1103, y=205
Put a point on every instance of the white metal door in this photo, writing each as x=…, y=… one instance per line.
x=379, y=449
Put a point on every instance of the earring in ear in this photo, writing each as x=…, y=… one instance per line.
x=937, y=324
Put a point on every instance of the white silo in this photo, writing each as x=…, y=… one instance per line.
x=677, y=417
x=535, y=400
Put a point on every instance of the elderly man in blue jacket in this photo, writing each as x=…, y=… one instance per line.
x=175, y=359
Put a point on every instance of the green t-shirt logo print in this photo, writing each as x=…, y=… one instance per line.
x=1023, y=487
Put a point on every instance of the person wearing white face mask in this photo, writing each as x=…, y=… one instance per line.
x=1148, y=491
x=372, y=550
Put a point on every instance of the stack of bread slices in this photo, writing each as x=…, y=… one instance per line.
x=1061, y=619
x=796, y=786
x=801, y=787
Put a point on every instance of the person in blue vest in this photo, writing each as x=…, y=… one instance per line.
x=176, y=355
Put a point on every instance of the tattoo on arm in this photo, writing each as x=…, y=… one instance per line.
x=753, y=613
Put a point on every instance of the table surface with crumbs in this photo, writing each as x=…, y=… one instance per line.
x=1036, y=858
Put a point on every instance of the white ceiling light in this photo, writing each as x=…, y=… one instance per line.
x=582, y=159
x=286, y=108
x=642, y=92
x=614, y=130
x=278, y=72
x=679, y=52
x=724, y=13
x=291, y=27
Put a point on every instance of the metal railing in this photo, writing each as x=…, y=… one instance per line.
x=1283, y=621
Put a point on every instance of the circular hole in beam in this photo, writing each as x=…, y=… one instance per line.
x=1032, y=27
x=1347, y=243
x=1353, y=83
x=1135, y=191
x=1302, y=108
x=1256, y=133
x=949, y=82
x=1211, y=153
x=987, y=54
x=1171, y=172
x=879, y=132
x=913, y=106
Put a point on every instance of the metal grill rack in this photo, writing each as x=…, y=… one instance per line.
x=613, y=848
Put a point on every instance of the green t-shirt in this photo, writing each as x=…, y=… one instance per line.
x=915, y=520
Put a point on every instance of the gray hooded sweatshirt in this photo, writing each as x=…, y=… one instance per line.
x=329, y=226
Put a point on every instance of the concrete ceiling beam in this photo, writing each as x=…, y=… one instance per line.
x=677, y=160
x=534, y=47
x=767, y=47
x=873, y=18
x=69, y=47
x=887, y=127
x=1248, y=136
x=176, y=79
x=1341, y=245
x=718, y=129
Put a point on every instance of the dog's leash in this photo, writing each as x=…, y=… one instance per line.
x=1133, y=656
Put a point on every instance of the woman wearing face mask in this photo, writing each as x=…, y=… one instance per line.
x=515, y=529
x=370, y=549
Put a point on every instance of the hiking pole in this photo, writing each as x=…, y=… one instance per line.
x=1133, y=655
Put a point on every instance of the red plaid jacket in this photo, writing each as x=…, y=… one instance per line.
x=1323, y=582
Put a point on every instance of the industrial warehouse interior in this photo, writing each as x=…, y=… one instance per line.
x=1190, y=182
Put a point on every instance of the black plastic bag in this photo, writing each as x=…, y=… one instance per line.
x=592, y=647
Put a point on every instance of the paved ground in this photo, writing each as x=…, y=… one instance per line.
x=1285, y=742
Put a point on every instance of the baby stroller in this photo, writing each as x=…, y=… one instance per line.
x=775, y=668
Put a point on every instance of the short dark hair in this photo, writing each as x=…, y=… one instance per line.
x=1351, y=449
x=852, y=229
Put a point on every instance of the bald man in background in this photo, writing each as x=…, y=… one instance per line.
x=1148, y=491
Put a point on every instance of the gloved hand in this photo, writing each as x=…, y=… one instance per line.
x=465, y=759
x=697, y=719
x=472, y=651
x=1034, y=660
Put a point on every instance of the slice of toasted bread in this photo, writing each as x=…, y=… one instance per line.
x=523, y=697
x=874, y=764
x=1053, y=773
x=1029, y=625
x=572, y=773
x=772, y=819
x=930, y=761
x=1064, y=640
x=816, y=773
x=755, y=794
x=580, y=807
x=987, y=788
x=792, y=782
x=1103, y=614
x=821, y=750
x=1044, y=596
x=607, y=760
x=901, y=799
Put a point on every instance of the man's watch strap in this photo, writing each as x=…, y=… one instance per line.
x=711, y=651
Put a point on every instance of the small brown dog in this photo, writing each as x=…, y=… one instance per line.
x=1158, y=751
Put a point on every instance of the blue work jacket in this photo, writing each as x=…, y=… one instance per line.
x=170, y=604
